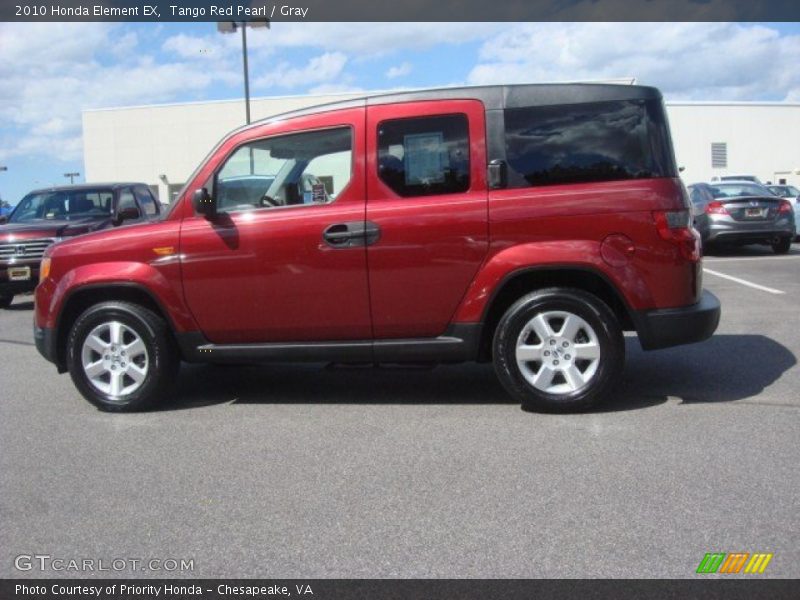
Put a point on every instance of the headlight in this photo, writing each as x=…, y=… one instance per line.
x=44, y=269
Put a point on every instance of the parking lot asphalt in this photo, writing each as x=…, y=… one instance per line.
x=307, y=471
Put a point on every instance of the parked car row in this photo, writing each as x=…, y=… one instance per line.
x=49, y=215
x=739, y=212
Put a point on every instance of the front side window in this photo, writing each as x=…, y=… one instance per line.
x=146, y=200
x=424, y=156
x=126, y=200
x=581, y=143
x=289, y=170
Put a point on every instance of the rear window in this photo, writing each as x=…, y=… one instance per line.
x=580, y=143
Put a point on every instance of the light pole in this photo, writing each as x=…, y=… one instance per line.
x=71, y=176
x=230, y=27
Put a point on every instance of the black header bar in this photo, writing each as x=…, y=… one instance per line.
x=400, y=11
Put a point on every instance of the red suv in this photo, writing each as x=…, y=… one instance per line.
x=525, y=225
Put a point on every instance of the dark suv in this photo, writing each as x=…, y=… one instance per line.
x=46, y=216
x=525, y=225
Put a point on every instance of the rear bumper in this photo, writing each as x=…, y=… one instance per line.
x=675, y=326
x=735, y=232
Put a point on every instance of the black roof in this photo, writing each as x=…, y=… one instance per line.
x=77, y=187
x=494, y=97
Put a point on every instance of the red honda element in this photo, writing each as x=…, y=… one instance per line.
x=524, y=225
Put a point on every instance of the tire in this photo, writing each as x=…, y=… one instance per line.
x=131, y=360
x=782, y=246
x=594, y=344
x=5, y=301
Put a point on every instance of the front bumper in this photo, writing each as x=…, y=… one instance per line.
x=663, y=328
x=18, y=287
x=45, y=340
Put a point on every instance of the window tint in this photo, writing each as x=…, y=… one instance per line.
x=289, y=170
x=146, y=201
x=579, y=143
x=126, y=199
x=424, y=156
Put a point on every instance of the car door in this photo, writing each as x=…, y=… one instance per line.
x=427, y=196
x=267, y=268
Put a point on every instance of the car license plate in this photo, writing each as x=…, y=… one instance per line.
x=754, y=212
x=19, y=273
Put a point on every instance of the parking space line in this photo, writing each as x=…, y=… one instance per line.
x=748, y=258
x=756, y=286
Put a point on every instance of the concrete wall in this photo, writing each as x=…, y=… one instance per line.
x=141, y=143
x=763, y=139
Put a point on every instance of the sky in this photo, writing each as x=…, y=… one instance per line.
x=51, y=72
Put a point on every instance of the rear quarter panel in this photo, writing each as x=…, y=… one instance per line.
x=565, y=225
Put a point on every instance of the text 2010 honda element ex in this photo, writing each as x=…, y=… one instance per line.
x=525, y=225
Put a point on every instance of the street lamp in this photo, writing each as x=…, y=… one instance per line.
x=71, y=176
x=230, y=27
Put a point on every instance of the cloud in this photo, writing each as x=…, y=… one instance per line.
x=83, y=66
x=321, y=69
x=686, y=60
x=399, y=71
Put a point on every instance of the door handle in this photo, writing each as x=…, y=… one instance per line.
x=351, y=234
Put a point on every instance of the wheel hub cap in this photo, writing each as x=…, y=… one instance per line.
x=558, y=352
x=114, y=359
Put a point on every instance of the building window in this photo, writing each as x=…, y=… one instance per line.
x=719, y=155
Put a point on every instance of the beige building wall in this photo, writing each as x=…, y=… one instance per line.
x=145, y=142
x=761, y=139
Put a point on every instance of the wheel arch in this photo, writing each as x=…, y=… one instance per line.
x=82, y=297
x=529, y=279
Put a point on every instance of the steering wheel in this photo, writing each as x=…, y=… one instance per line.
x=269, y=200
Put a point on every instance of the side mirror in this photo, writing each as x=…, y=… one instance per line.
x=204, y=204
x=129, y=213
x=497, y=174
x=3, y=219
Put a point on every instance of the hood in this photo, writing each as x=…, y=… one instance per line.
x=53, y=228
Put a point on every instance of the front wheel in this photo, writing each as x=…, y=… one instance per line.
x=559, y=350
x=6, y=300
x=121, y=356
x=782, y=245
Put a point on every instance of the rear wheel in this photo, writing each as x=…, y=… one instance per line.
x=6, y=300
x=782, y=246
x=121, y=356
x=559, y=350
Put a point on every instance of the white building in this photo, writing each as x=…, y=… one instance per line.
x=161, y=145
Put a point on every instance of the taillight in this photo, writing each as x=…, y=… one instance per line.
x=676, y=226
x=716, y=207
x=785, y=207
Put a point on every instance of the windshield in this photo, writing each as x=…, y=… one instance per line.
x=735, y=190
x=63, y=205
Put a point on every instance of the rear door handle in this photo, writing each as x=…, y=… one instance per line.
x=351, y=234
